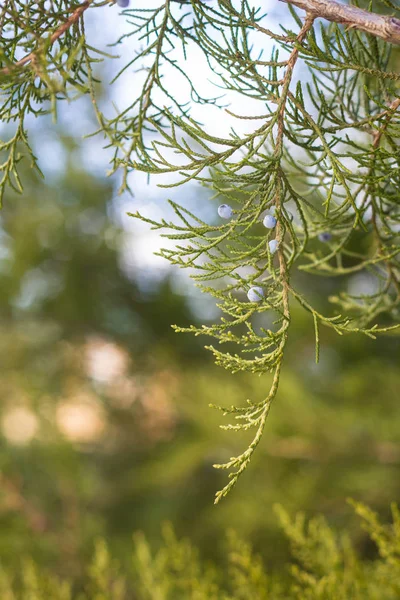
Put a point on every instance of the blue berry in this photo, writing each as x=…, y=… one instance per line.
x=123, y=3
x=325, y=237
x=273, y=246
x=255, y=294
x=225, y=211
x=269, y=222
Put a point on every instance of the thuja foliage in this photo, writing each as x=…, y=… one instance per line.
x=319, y=154
x=325, y=565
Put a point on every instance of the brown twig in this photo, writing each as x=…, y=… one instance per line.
x=78, y=12
x=389, y=114
x=383, y=26
x=279, y=227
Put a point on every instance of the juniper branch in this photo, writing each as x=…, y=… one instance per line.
x=258, y=418
x=325, y=158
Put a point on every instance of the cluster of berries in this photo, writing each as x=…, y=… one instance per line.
x=123, y=3
x=256, y=293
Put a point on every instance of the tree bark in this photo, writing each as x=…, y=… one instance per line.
x=385, y=27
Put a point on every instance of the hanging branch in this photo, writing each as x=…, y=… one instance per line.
x=320, y=166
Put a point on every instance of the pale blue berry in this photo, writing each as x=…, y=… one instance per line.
x=255, y=294
x=225, y=211
x=325, y=237
x=273, y=246
x=269, y=222
x=123, y=3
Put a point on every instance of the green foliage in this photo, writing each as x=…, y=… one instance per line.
x=326, y=566
x=333, y=434
x=323, y=153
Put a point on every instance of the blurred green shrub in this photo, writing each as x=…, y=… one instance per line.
x=324, y=566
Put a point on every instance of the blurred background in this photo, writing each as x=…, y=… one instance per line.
x=105, y=425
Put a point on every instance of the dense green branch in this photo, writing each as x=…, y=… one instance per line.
x=71, y=20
